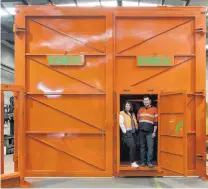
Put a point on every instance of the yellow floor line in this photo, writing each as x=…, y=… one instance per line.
x=156, y=183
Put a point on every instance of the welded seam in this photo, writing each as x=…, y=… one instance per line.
x=160, y=72
x=154, y=36
x=51, y=68
x=190, y=100
x=173, y=171
x=65, y=152
x=63, y=112
x=69, y=36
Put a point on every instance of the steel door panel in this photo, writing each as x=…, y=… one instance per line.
x=151, y=77
x=191, y=152
x=172, y=44
x=91, y=74
x=68, y=120
x=39, y=121
x=171, y=145
x=172, y=162
x=151, y=28
x=92, y=146
x=75, y=106
x=37, y=82
x=52, y=159
x=58, y=41
x=170, y=122
x=75, y=24
x=172, y=129
x=172, y=103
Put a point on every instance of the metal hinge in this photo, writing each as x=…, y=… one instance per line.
x=15, y=158
x=17, y=29
x=115, y=161
x=115, y=116
x=200, y=93
x=199, y=30
x=15, y=95
x=201, y=156
x=114, y=93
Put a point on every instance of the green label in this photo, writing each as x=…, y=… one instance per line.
x=155, y=60
x=66, y=60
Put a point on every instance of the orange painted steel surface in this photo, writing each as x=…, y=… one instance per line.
x=16, y=178
x=71, y=112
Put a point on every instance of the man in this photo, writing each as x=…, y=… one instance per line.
x=148, y=121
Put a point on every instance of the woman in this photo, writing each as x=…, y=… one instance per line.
x=129, y=125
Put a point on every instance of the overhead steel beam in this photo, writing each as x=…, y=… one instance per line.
x=119, y=3
x=138, y=2
x=24, y=2
x=9, y=45
x=162, y=2
x=187, y=2
x=9, y=14
x=7, y=36
x=100, y=2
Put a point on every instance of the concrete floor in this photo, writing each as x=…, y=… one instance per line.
x=130, y=182
x=8, y=165
x=144, y=182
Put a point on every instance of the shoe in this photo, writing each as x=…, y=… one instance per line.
x=143, y=164
x=134, y=165
x=150, y=165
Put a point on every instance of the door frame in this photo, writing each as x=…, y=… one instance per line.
x=20, y=29
x=116, y=136
x=17, y=177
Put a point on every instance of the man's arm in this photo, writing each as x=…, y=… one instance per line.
x=155, y=123
x=121, y=123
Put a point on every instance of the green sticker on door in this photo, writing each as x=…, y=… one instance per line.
x=65, y=60
x=178, y=127
x=155, y=60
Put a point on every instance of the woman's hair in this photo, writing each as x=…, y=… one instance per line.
x=128, y=102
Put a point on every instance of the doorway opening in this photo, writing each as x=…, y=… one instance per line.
x=9, y=142
x=137, y=102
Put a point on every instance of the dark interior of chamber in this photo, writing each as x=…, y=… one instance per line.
x=137, y=102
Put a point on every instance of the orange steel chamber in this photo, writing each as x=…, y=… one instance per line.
x=75, y=65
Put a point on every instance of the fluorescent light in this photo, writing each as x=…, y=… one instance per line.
x=89, y=4
x=206, y=46
x=109, y=3
x=130, y=4
x=147, y=4
x=5, y=12
x=66, y=5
